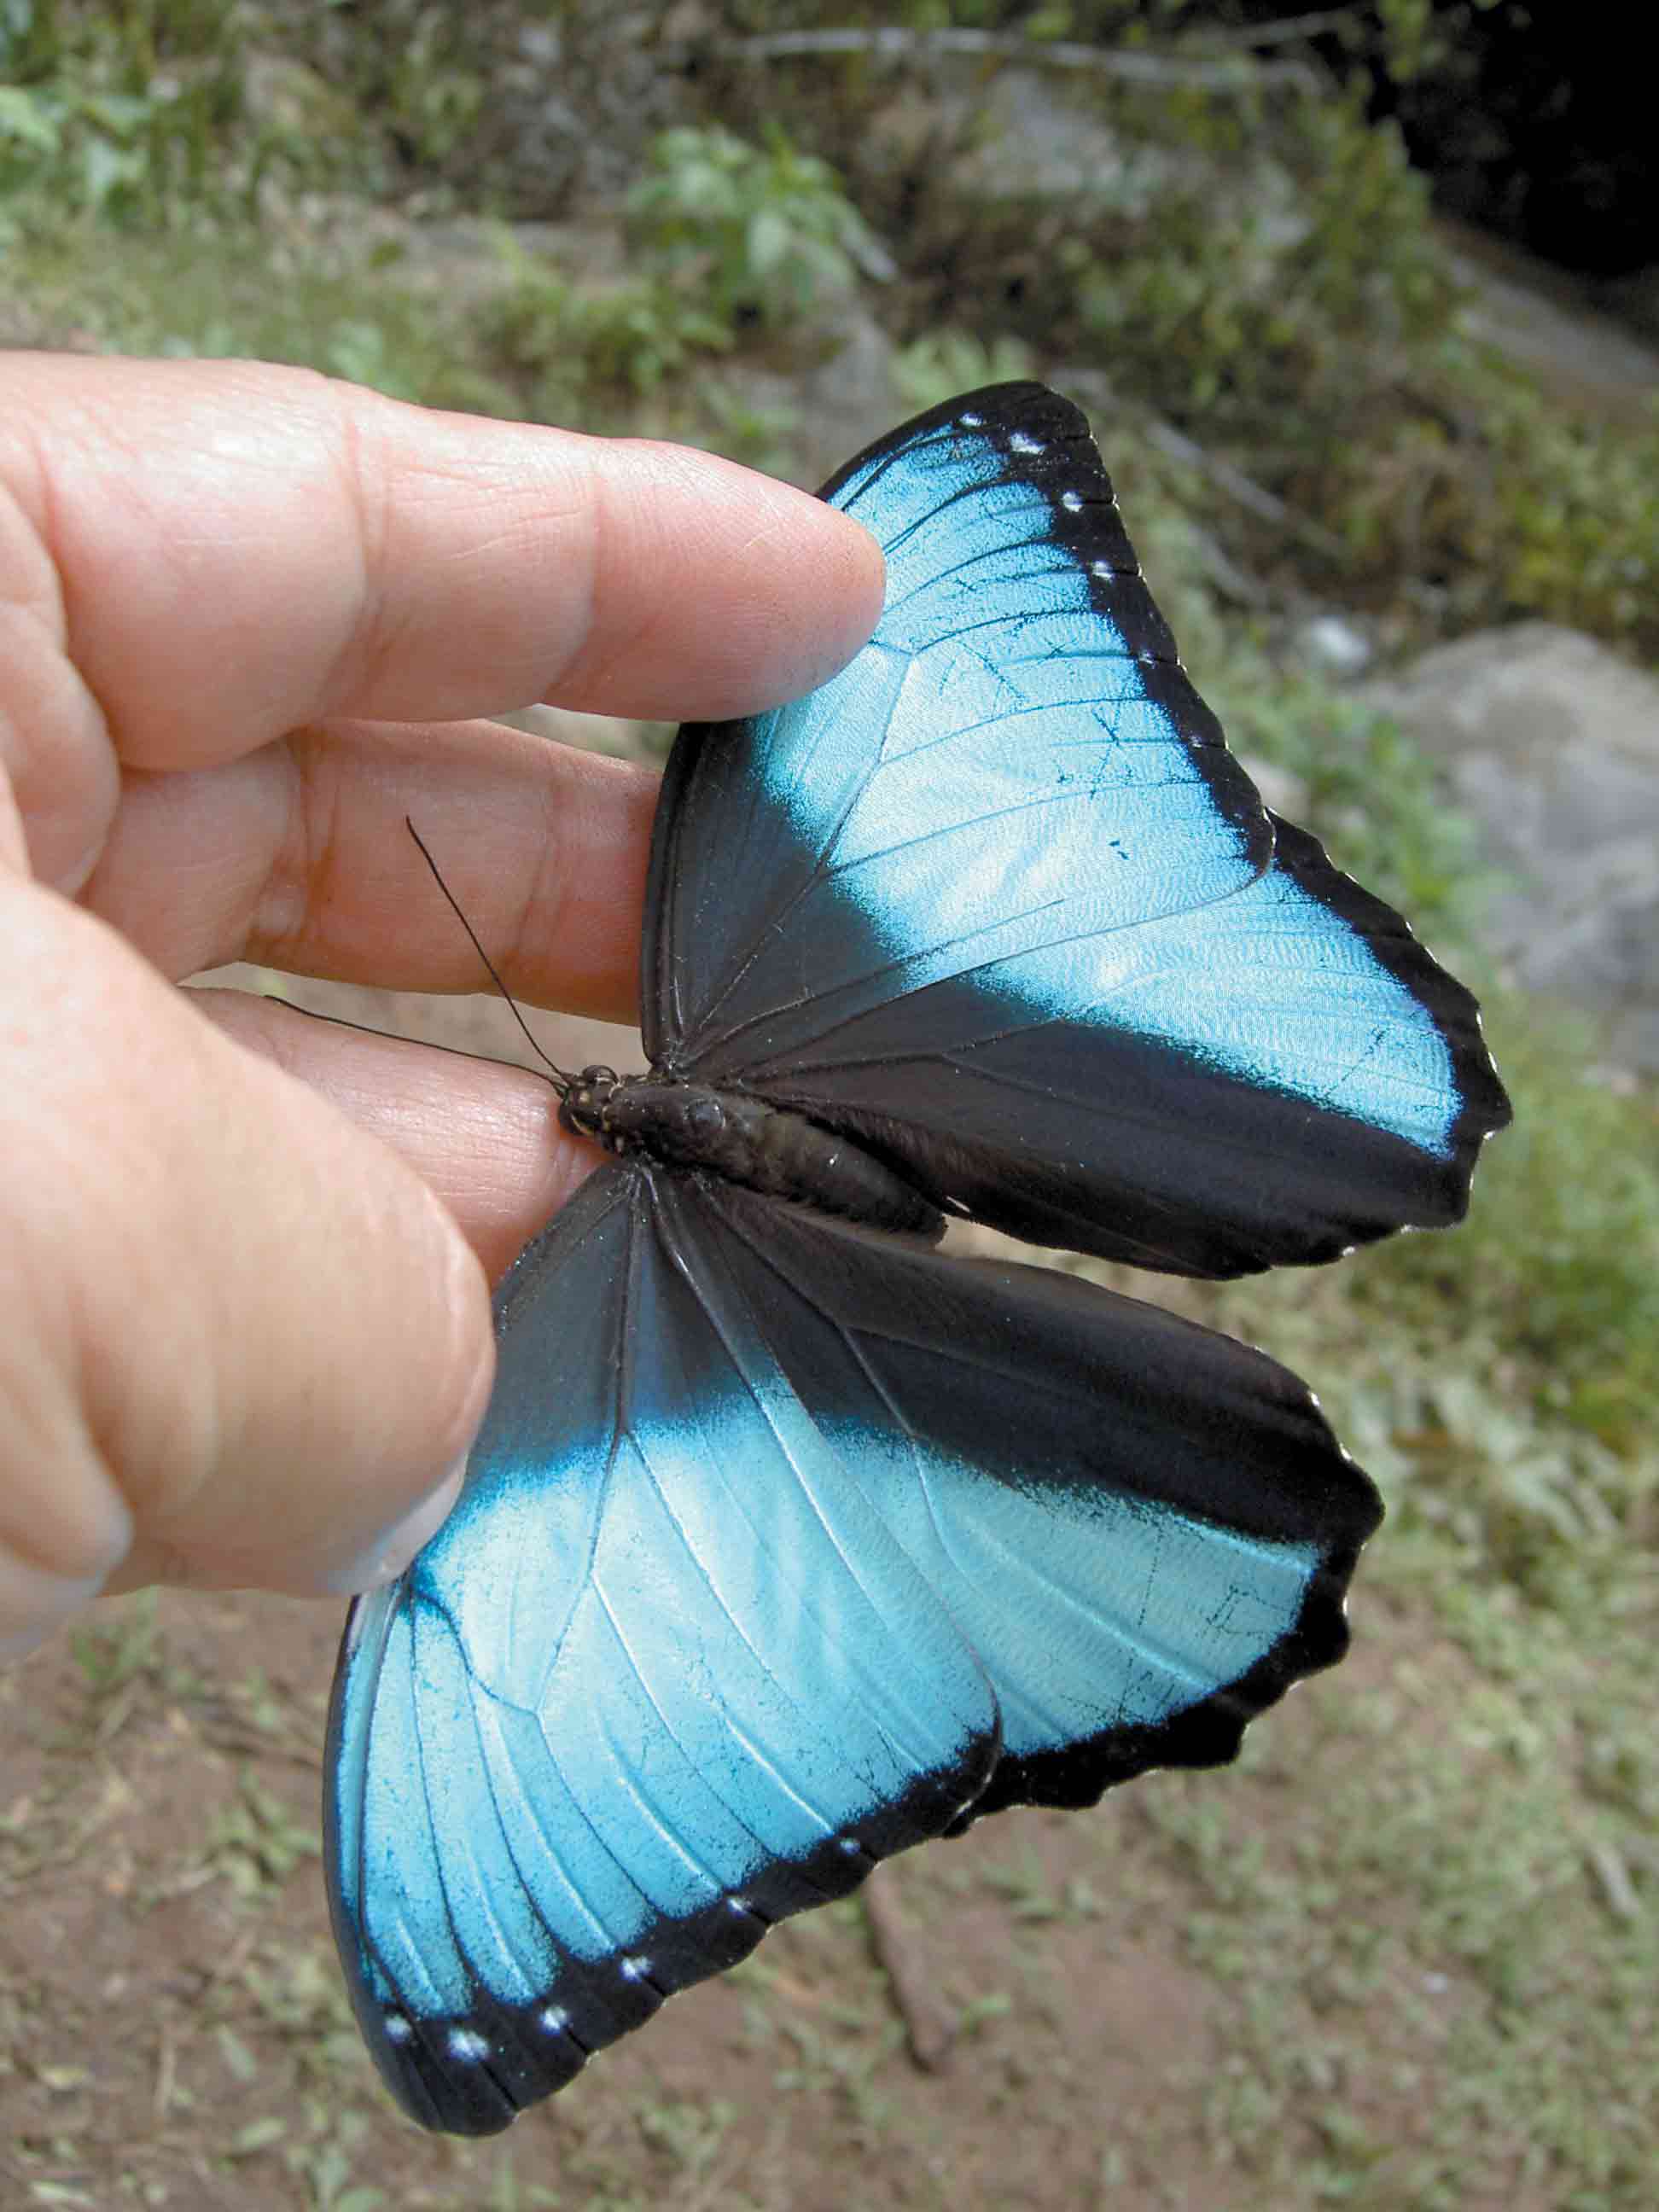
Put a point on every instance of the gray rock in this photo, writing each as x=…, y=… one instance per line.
x=1552, y=743
x=1282, y=790
x=1338, y=644
x=1035, y=139
x=835, y=396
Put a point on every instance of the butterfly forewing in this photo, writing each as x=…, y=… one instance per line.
x=998, y=902
x=1018, y=708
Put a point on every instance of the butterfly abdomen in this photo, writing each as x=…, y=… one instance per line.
x=765, y=1148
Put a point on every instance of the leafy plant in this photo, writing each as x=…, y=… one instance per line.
x=745, y=429
x=256, y=1840
x=119, y=1645
x=123, y=117
x=934, y=368
x=767, y=233
x=434, y=99
x=1569, y=525
x=626, y=338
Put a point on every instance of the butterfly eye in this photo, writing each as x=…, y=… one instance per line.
x=582, y=1109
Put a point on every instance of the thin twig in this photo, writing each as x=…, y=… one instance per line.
x=1245, y=490
x=1269, y=508
x=1096, y=391
x=893, y=44
x=1284, y=31
x=1613, y=1876
x=930, y=2026
x=166, y=2073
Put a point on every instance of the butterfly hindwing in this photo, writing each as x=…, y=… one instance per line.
x=1144, y=1530
x=997, y=902
x=779, y=1531
x=663, y=1678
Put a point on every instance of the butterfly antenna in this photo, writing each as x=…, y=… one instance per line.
x=368, y=1029
x=561, y=1081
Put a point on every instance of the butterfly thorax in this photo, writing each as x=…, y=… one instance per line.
x=765, y=1148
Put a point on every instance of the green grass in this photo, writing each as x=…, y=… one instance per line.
x=526, y=341
x=1501, y=1379
x=1464, y=1884
x=1498, y=1383
x=236, y=291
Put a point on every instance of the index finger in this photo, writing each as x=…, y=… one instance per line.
x=243, y=549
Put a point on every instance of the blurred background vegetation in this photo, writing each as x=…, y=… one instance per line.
x=1256, y=261
x=674, y=221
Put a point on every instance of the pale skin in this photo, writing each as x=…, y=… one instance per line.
x=248, y=622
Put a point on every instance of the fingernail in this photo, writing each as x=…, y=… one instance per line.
x=395, y=1547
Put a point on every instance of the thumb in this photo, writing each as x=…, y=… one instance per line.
x=241, y=1342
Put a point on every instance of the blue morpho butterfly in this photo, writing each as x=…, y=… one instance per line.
x=787, y=1542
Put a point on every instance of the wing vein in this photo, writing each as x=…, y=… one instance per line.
x=832, y=1536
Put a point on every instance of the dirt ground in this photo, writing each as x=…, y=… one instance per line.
x=176, y=2034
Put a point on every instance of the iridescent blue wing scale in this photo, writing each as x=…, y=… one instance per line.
x=997, y=902
x=1144, y=1530
x=815, y=1545
x=663, y=1678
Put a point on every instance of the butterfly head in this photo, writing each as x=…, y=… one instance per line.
x=581, y=1110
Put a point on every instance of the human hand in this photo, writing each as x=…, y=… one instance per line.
x=244, y=1324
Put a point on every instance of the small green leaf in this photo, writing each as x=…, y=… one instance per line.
x=258, y=2136
x=769, y=240
x=238, y=2059
x=26, y=119
x=62, y=2080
